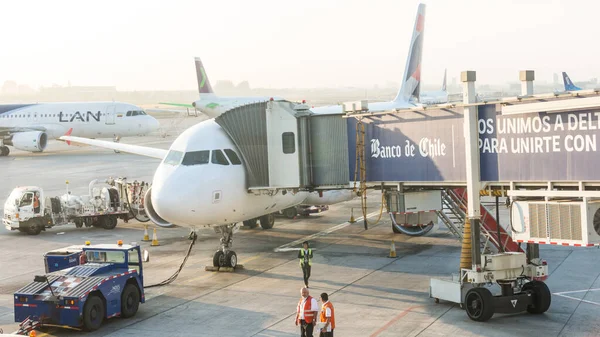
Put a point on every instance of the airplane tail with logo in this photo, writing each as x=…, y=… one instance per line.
x=411, y=82
x=569, y=86
x=444, y=83
x=204, y=87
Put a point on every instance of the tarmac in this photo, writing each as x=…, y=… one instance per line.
x=373, y=295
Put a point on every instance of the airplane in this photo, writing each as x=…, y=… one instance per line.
x=201, y=180
x=212, y=105
x=435, y=97
x=28, y=127
x=569, y=86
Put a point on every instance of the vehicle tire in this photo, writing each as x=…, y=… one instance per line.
x=130, y=301
x=267, y=221
x=250, y=223
x=98, y=223
x=219, y=259
x=479, y=304
x=541, y=297
x=33, y=227
x=93, y=313
x=231, y=259
x=290, y=213
x=78, y=223
x=110, y=222
x=395, y=230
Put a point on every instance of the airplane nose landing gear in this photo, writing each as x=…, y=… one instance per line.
x=225, y=257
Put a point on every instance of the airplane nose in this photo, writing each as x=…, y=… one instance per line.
x=154, y=124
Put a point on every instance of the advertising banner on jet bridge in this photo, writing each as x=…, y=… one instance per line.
x=411, y=146
x=539, y=146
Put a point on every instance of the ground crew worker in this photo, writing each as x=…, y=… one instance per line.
x=36, y=203
x=306, y=313
x=327, y=316
x=305, y=255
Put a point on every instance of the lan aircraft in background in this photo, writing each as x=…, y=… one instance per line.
x=407, y=97
x=28, y=127
x=435, y=97
x=201, y=180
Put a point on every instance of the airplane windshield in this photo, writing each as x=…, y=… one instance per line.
x=196, y=158
x=174, y=157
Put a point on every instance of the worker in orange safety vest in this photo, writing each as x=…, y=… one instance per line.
x=306, y=313
x=327, y=316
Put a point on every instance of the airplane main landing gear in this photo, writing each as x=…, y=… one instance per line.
x=116, y=140
x=4, y=151
x=225, y=257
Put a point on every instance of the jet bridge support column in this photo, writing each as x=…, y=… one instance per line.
x=527, y=77
x=472, y=158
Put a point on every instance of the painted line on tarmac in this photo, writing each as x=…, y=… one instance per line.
x=394, y=320
x=288, y=246
x=577, y=299
x=575, y=291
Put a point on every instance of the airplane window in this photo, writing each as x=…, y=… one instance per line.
x=196, y=158
x=289, y=144
x=174, y=157
x=233, y=157
x=218, y=158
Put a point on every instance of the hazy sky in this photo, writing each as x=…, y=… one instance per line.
x=150, y=45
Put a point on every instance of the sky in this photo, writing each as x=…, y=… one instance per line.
x=151, y=45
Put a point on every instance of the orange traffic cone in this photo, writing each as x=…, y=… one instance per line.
x=146, y=236
x=154, y=239
x=392, y=250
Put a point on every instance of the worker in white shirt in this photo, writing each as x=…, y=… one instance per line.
x=327, y=316
x=306, y=313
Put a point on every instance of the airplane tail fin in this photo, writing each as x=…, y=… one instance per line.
x=444, y=83
x=204, y=86
x=569, y=86
x=411, y=82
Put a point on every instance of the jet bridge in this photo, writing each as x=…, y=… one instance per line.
x=285, y=146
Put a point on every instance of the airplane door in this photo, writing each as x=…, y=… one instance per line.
x=110, y=115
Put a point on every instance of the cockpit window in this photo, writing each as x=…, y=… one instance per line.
x=196, y=157
x=174, y=157
x=135, y=113
x=128, y=113
x=218, y=158
x=233, y=157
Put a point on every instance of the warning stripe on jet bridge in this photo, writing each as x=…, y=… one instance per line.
x=288, y=246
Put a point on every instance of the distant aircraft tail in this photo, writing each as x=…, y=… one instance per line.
x=569, y=86
x=444, y=83
x=204, y=86
x=411, y=82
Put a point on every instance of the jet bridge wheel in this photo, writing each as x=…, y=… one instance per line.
x=479, y=304
x=541, y=297
x=4, y=151
x=290, y=213
x=267, y=221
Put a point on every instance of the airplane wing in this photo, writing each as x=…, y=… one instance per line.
x=183, y=105
x=135, y=149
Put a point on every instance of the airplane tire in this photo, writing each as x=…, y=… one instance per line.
x=4, y=151
x=219, y=259
x=250, y=223
x=290, y=213
x=231, y=259
x=267, y=221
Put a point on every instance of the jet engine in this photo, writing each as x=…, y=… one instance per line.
x=151, y=212
x=32, y=141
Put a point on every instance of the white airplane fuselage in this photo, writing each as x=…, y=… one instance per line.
x=208, y=193
x=90, y=120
